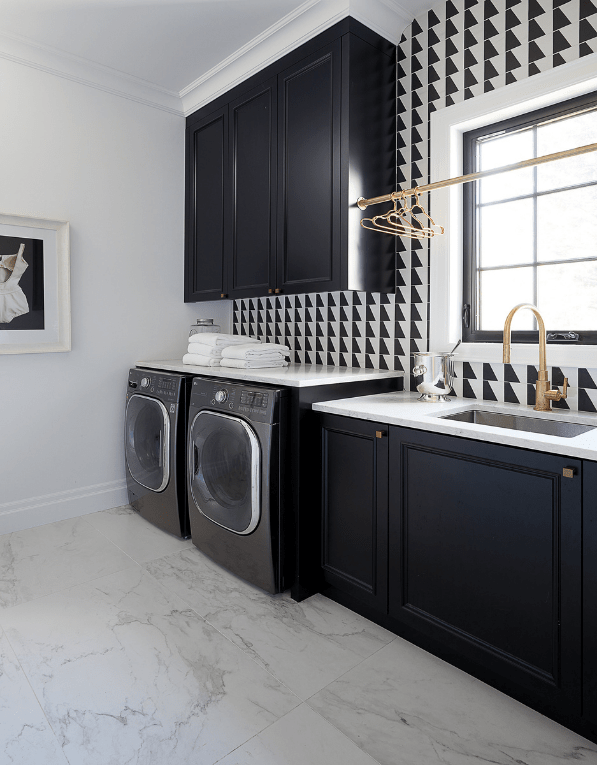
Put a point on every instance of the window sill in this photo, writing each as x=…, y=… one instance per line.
x=557, y=355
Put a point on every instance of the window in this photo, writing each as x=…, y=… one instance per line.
x=530, y=236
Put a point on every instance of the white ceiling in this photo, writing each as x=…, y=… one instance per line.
x=171, y=45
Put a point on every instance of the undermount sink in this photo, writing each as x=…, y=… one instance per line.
x=515, y=422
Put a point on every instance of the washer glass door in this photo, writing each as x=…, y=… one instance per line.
x=225, y=470
x=147, y=444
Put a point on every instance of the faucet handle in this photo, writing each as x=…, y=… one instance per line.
x=558, y=395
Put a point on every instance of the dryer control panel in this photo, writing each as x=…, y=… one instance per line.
x=254, y=402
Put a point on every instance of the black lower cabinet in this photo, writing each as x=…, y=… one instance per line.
x=355, y=508
x=489, y=558
x=485, y=542
x=590, y=594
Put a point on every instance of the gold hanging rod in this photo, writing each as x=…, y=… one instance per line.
x=364, y=203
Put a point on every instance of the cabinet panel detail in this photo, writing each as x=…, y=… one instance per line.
x=206, y=208
x=483, y=545
x=487, y=507
x=309, y=165
x=253, y=156
x=354, y=522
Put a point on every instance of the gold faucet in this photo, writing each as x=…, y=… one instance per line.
x=543, y=395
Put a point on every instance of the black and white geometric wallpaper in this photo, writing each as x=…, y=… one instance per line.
x=515, y=384
x=348, y=329
x=457, y=50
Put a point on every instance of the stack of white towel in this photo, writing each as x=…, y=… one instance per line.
x=234, y=351
x=205, y=349
x=251, y=356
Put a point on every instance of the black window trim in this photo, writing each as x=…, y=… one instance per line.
x=469, y=293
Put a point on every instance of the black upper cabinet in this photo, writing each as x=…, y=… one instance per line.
x=485, y=543
x=253, y=160
x=206, y=207
x=274, y=168
x=309, y=99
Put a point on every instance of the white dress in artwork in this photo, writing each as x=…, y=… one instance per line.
x=12, y=298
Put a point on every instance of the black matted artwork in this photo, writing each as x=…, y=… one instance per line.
x=21, y=303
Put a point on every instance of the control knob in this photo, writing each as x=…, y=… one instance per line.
x=145, y=382
x=221, y=395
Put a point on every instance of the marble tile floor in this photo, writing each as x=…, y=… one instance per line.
x=121, y=645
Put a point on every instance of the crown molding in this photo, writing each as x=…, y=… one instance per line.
x=386, y=17
x=60, y=64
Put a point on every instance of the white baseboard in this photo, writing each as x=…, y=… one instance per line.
x=37, y=511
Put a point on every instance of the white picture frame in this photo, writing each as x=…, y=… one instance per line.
x=55, y=337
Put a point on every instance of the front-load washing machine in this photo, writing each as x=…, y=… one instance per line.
x=155, y=447
x=237, y=452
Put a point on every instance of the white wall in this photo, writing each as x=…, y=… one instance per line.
x=114, y=169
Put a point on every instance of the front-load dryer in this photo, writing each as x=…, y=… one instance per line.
x=237, y=452
x=155, y=447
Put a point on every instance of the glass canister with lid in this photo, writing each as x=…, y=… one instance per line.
x=203, y=325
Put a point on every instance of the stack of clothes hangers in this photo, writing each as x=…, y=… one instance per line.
x=234, y=351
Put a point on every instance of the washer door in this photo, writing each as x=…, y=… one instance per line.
x=147, y=446
x=225, y=471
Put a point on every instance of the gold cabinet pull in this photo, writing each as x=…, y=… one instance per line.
x=569, y=472
x=277, y=291
x=380, y=433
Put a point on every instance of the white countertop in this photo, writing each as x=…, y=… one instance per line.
x=406, y=410
x=293, y=376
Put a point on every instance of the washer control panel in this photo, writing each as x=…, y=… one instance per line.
x=163, y=386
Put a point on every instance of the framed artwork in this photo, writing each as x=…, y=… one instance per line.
x=34, y=285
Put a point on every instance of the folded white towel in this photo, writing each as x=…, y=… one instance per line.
x=220, y=341
x=252, y=363
x=205, y=350
x=200, y=361
x=251, y=351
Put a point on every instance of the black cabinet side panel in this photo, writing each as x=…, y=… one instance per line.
x=253, y=157
x=590, y=593
x=369, y=150
x=309, y=118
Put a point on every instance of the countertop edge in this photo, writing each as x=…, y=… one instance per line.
x=377, y=407
x=273, y=376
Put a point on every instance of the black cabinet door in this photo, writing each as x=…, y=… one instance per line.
x=355, y=508
x=485, y=545
x=590, y=593
x=253, y=157
x=309, y=102
x=206, y=208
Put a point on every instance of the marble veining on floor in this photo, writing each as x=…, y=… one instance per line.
x=122, y=645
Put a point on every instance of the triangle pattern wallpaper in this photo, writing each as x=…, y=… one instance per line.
x=456, y=51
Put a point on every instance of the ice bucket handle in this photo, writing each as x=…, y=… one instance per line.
x=420, y=370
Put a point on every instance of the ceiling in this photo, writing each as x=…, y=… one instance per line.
x=170, y=45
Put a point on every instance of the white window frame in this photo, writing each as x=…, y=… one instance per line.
x=447, y=127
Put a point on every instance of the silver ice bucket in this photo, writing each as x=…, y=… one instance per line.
x=434, y=375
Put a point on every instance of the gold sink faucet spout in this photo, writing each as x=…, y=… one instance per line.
x=543, y=395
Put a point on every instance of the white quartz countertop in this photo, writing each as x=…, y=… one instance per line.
x=294, y=375
x=406, y=410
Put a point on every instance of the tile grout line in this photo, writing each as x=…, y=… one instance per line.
x=336, y=680
x=35, y=696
